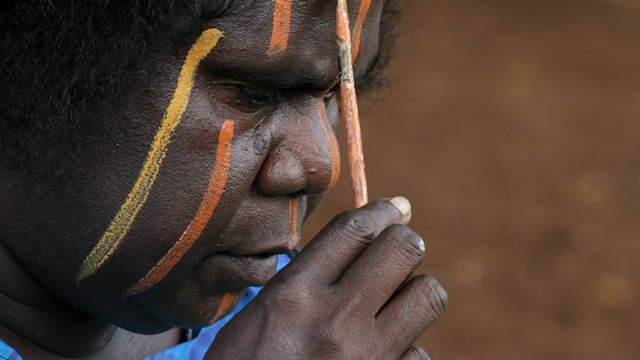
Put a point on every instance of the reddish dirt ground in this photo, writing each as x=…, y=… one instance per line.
x=514, y=128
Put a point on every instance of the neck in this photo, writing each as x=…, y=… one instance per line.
x=33, y=321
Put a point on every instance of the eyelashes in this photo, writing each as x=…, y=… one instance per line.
x=261, y=101
x=255, y=99
x=249, y=100
x=332, y=108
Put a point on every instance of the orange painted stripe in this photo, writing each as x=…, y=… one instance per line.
x=293, y=222
x=208, y=205
x=357, y=29
x=225, y=306
x=281, y=27
x=137, y=198
x=332, y=143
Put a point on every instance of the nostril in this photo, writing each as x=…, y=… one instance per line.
x=281, y=174
x=311, y=190
x=304, y=159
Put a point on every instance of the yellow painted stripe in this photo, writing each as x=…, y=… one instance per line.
x=208, y=205
x=136, y=199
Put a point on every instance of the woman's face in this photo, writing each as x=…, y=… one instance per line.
x=202, y=174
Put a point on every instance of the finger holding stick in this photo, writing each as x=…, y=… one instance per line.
x=349, y=107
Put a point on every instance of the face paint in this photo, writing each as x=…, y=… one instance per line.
x=217, y=182
x=357, y=29
x=136, y=199
x=293, y=223
x=225, y=306
x=281, y=27
x=332, y=143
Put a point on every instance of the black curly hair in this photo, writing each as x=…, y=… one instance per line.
x=60, y=60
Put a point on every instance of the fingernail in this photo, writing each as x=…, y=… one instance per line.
x=404, y=206
x=421, y=245
x=423, y=353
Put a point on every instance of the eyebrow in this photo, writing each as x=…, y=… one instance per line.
x=296, y=77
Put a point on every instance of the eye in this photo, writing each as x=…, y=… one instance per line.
x=254, y=99
x=249, y=100
x=329, y=96
x=331, y=104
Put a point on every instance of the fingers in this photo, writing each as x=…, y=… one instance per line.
x=416, y=307
x=349, y=293
x=342, y=241
x=382, y=268
x=415, y=353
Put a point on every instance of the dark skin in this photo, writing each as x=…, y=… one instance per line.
x=349, y=294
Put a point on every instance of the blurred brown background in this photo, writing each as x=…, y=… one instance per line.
x=514, y=128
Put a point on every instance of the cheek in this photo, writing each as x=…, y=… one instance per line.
x=208, y=204
x=188, y=190
x=193, y=197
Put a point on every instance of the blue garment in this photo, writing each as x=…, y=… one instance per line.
x=190, y=350
x=7, y=353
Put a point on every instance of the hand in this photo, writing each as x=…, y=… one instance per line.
x=350, y=294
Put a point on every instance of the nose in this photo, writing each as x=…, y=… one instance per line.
x=305, y=158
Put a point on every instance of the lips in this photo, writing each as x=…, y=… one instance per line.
x=246, y=252
x=239, y=270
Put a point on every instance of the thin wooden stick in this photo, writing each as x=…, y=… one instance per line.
x=349, y=107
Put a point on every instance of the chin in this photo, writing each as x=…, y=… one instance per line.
x=191, y=310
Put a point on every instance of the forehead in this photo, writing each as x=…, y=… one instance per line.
x=292, y=40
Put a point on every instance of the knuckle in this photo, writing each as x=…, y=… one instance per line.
x=407, y=243
x=289, y=295
x=431, y=298
x=356, y=225
x=338, y=331
x=330, y=334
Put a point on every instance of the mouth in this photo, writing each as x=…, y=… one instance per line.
x=239, y=271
